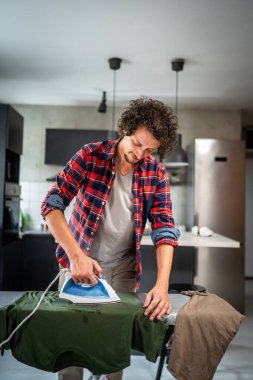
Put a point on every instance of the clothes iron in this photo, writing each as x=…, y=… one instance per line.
x=87, y=294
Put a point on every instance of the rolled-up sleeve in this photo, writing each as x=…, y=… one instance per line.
x=163, y=227
x=67, y=184
x=165, y=235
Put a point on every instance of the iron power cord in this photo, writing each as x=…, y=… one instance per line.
x=34, y=310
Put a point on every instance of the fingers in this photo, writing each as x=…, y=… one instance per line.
x=93, y=281
x=147, y=300
x=77, y=279
x=157, y=308
x=163, y=311
x=86, y=271
x=97, y=268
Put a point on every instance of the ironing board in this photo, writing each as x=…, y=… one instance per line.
x=177, y=301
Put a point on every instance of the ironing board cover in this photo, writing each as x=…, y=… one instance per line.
x=98, y=337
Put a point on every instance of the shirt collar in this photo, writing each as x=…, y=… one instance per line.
x=108, y=149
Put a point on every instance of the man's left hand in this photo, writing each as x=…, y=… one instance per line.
x=157, y=303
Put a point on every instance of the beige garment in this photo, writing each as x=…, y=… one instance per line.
x=204, y=328
x=122, y=279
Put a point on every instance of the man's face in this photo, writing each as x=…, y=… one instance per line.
x=139, y=145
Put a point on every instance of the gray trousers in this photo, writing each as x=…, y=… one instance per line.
x=122, y=279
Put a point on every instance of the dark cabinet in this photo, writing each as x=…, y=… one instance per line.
x=14, y=130
x=39, y=262
x=12, y=164
x=182, y=271
x=30, y=264
x=11, y=266
x=11, y=142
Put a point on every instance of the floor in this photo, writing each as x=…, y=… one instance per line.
x=237, y=363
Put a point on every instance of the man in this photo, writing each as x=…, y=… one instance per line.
x=118, y=185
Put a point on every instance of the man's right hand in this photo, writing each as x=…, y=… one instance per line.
x=82, y=267
x=85, y=269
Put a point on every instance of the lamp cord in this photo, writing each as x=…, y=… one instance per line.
x=176, y=105
x=113, y=102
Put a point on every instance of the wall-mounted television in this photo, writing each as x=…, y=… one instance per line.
x=62, y=144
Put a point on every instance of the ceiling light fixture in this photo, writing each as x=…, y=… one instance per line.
x=114, y=64
x=102, y=106
x=178, y=157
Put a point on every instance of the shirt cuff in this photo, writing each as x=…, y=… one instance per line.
x=165, y=235
x=55, y=201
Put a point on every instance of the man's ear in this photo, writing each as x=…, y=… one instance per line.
x=124, y=132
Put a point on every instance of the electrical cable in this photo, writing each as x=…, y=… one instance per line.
x=29, y=315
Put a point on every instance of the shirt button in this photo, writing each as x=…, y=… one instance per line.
x=113, y=173
x=92, y=233
x=97, y=217
x=109, y=187
x=102, y=203
x=88, y=248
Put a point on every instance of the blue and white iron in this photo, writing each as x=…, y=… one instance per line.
x=88, y=294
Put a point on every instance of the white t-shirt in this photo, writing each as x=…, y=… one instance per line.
x=114, y=240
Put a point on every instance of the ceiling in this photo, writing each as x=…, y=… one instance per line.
x=55, y=52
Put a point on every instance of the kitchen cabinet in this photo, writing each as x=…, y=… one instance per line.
x=39, y=262
x=11, y=266
x=11, y=140
x=182, y=271
x=12, y=122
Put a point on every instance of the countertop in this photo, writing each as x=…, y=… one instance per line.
x=187, y=239
x=38, y=233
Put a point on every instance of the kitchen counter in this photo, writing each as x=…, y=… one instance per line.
x=187, y=239
x=37, y=233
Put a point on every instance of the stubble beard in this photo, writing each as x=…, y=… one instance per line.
x=129, y=161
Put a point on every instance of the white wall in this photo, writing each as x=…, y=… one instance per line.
x=209, y=124
x=193, y=124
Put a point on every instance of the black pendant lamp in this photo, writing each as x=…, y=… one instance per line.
x=103, y=106
x=178, y=157
x=114, y=64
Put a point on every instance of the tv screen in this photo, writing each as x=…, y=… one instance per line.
x=62, y=144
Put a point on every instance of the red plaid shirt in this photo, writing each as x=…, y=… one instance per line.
x=89, y=176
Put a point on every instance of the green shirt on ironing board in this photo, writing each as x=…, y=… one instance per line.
x=101, y=340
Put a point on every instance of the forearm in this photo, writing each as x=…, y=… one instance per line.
x=164, y=258
x=82, y=267
x=60, y=230
x=157, y=301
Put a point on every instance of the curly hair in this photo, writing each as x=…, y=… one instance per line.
x=155, y=116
